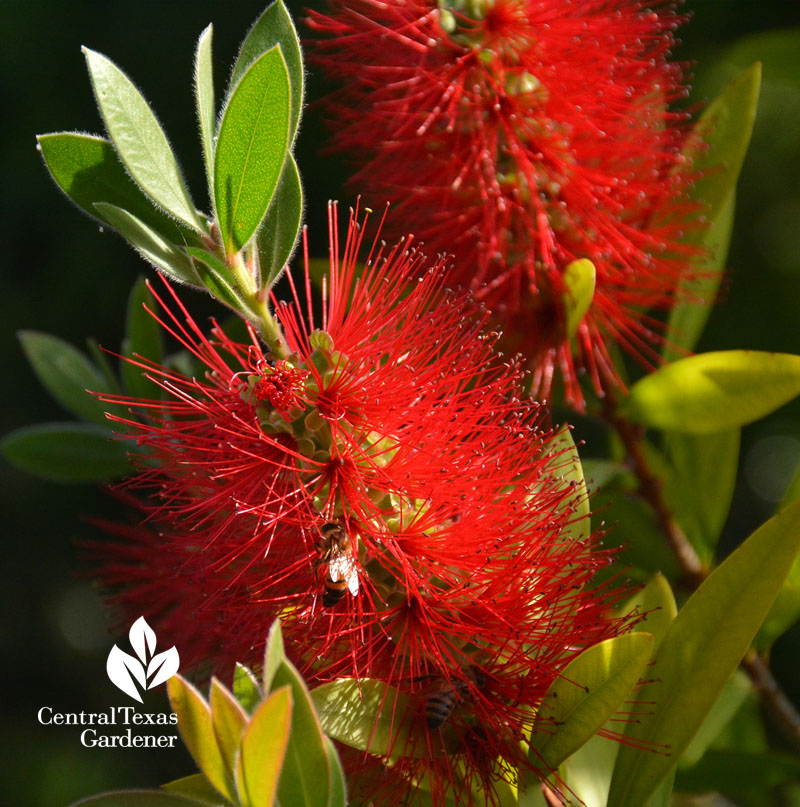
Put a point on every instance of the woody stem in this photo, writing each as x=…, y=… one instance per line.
x=781, y=709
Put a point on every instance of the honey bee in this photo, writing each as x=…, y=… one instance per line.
x=443, y=695
x=336, y=550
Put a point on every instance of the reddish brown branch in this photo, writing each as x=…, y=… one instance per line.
x=780, y=708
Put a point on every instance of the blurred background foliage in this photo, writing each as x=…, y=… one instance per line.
x=61, y=276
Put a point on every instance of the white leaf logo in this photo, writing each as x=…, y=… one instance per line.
x=149, y=670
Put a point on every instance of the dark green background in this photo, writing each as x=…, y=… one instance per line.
x=61, y=275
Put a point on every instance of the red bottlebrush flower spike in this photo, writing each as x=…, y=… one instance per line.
x=386, y=491
x=519, y=136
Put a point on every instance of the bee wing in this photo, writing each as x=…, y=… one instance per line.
x=344, y=568
x=352, y=581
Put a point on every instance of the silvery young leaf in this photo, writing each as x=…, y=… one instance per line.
x=251, y=148
x=197, y=788
x=139, y=798
x=275, y=27
x=143, y=639
x=163, y=666
x=274, y=654
x=263, y=748
x=229, y=721
x=66, y=373
x=204, y=96
x=196, y=727
x=246, y=688
x=216, y=277
x=139, y=139
x=278, y=234
x=122, y=669
x=67, y=452
x=86, y=168
x=579, y=280
x=715, y=391
x=700, y=653
x=306, y=767
x=149, y=244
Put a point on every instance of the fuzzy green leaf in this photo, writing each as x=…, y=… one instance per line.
x=86, y=168
x=367, y=714
x=217, y=278
x=196, y=787
x=700, y=484
x=579, y=280
x=263, y=750
x=229, y=721
x=713, y=392
x=139, y=139
x=197, y=729
x=204, y=98
x=251, y=148
x=66, y=373
x=700, y=652
x=142, y=338
x=588, y=691
x=139, y=798
x=67, y=452
x=338, y=785
x=305, y=777
x=274, y=654
x=149, y=244
x=275, y=27
x=246, y=688
x=278, y=234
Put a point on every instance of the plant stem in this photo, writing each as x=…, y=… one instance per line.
x=695, y=572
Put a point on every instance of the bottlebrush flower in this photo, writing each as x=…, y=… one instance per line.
x=519, y=136
x=385, y=491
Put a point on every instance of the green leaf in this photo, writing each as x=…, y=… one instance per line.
x=149, y=244
x=66, y=374
x=725, y=128
x=143, y=339
x=138, y=798
x=196, y=787
x=197, y=729
x=700, y=653
x=713, y=392
x=263, y=749
x=700, y=485
x=251, y=148
x=246, y=688
x=217, y=278
x=587, y=772
x=275, y=27
x=716, y=149
x=306, y=768
x=735, y=773
x=274, y=654
x=579, y=280
x=566, y=465
x=657, y=602
x=337, y=783
x=697, y=289
x=86, y=168
x=785, y=610
x=588, y=691
x=735, y=693
x=229, y=721
x=139, y=139
x=278, y=234
x=600, y=472
x=67, y=452
x=367, y=714
x=204, y=98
